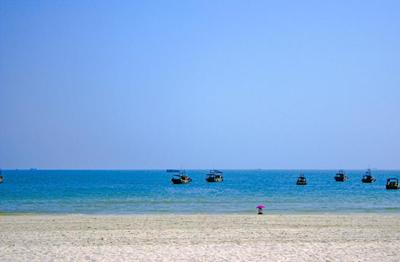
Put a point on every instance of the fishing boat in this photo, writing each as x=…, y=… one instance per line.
x=341, y=176
x=368, y=178
x=392, y=183
x=180, y=176
x=215, y=176
x=301, y=180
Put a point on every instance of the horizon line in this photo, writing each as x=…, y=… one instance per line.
x=194, y=169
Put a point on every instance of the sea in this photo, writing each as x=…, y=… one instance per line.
x=151, y=192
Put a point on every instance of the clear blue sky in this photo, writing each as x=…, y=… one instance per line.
x=200, y=84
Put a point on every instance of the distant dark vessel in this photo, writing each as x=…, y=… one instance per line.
x=392, y=183
x=215, y=176
x=1, y=178
x=341, y=176
x=368, y=178
x=180, y=177
x=301, y=180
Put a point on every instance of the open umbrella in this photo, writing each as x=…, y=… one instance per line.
x=260, y=206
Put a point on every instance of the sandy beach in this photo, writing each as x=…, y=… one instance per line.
x=200, y=238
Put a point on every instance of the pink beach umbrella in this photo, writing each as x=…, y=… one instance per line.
x=260, y=206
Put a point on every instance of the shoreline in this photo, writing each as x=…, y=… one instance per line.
x=245, y=213
x=200, y=237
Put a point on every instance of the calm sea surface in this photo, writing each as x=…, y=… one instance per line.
x=138, y=192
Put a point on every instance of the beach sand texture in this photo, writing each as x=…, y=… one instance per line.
x=357, y=237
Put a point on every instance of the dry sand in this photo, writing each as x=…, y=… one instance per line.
x=200, y=238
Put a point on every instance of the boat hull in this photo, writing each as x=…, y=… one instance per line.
x=368, y=181
x=392, y=187
x=214, y=179
x=177, y=181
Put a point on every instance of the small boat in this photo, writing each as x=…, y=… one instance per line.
x=180, y=177
x=392, y=183
x=1, y=178
x=215, y=176
x=368, y=178
x=173, y=170
x=341, y=176
x=301, y=180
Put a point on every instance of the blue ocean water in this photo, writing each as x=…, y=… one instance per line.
x=138, y=192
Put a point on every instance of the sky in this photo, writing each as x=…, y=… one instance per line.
x=200, y=84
